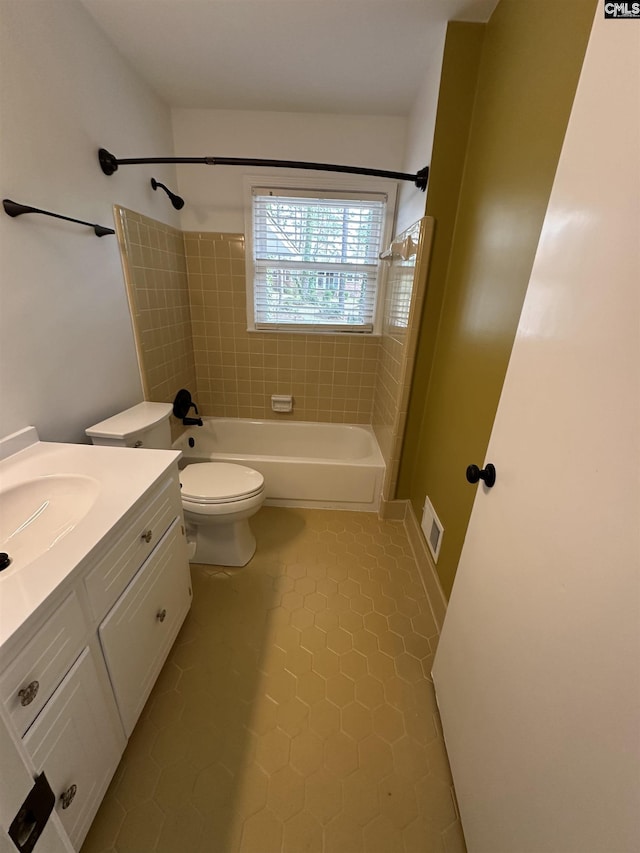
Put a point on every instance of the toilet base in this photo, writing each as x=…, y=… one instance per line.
x=229, y=544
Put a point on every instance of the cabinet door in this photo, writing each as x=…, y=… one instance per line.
x=40, y=666
x=73, y=741
x=16, y=781
x=140, y=628
x=109, y=577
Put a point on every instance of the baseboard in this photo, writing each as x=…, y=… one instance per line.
x=392, y=510
x=426, y=566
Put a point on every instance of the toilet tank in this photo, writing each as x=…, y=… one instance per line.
x=144, y=425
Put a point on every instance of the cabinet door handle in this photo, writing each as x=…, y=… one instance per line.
x=161, y=615
x=29, y=693
x=67, y=796
x=147, y=535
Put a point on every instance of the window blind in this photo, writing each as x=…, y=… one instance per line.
x=316, y=258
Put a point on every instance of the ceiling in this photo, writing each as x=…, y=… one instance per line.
x=331, y=56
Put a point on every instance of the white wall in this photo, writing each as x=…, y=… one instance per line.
x=419, y=142
x=214, y=194
x=67, y=356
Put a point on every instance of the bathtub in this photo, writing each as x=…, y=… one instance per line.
x=336, y=466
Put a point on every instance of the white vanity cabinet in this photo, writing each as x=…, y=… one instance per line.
x=140, y=629
x=55, y=701
x=28, y=682
x=52, y=695
x=74, y=742
x=72, y=686
x=141, y=592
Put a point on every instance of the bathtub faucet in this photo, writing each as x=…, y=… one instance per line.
x=192, y=421
x=181, y=406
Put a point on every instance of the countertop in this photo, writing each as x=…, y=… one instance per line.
x=124, y=475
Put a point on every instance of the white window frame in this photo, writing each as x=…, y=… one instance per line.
x=300, y=184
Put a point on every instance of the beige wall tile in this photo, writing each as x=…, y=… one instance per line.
x=155, y=274
x=188, y=303
x=300, y=365
x=396, y=355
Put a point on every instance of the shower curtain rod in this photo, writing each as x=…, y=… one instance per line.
x=109, y=164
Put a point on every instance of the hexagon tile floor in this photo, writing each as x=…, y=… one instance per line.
x=294, y=713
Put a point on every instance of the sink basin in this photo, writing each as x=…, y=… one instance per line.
x=38, y=513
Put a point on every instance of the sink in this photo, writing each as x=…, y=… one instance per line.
x=38, y=513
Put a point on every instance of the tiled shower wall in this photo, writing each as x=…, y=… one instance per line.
x=406, y=285
x=188, y=302
x=331, y=377
x=155, y=274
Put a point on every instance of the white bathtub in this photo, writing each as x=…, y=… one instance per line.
x=336, y=466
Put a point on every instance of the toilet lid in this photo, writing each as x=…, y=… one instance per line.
x=217, y=482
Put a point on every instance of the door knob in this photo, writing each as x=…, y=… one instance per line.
x=487, y=474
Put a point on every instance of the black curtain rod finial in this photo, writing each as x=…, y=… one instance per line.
x=422, y=176
x=109, y=164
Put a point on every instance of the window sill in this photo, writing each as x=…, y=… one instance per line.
x=319, y=332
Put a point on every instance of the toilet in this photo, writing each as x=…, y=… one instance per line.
x=218, y=498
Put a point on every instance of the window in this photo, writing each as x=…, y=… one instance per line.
x=314, y=262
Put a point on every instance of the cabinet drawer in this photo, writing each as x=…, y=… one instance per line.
x=106, y=581
x=37, y=670
x=73, y=742
x=140, y=629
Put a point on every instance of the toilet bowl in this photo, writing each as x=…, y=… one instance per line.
x=218, y=498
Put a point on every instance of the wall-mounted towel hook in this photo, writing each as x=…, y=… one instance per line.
x=13, y=208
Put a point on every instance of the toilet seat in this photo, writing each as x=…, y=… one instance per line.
x=214, y=483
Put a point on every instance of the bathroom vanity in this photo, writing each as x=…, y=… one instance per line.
x=90, y=605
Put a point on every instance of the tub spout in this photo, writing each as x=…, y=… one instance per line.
x=192, y=421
